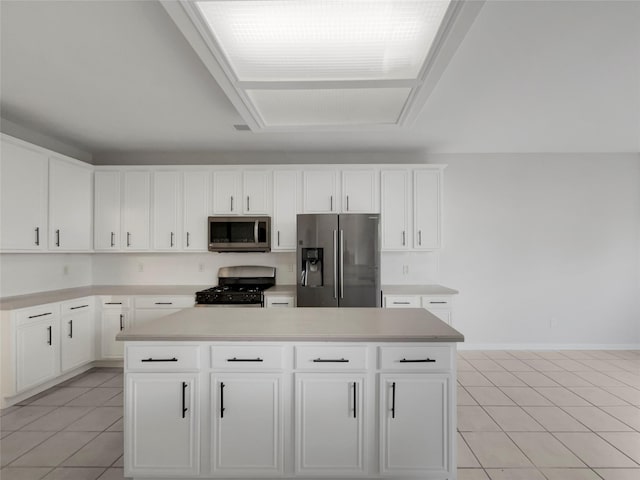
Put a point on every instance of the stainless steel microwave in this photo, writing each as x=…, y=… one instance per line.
x=239, y=234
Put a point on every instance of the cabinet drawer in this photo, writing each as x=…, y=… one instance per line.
x=247, y=357
x=432, y=302
x=165, y=302
x=401, y=301
x=280, y=301
x=331, y=357
x=28, y=315
x=115, y=301
x=162, y=357
x=77, y=306
x=423, y=357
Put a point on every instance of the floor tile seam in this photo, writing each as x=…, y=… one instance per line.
x=33, y=420
x=511, y=406
x=472, y=452
x=100, y=405
x=618, y=396
x=596, y=434
x=558, y=405
x=54, y=409
x=34, y=446
x=67, y=458
x=51, y=469
x=603, y=411
x=114, y=462
x=634, y=461
x=605, y=391
x=521, y=450
x=550, y=433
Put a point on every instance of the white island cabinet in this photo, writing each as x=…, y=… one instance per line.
x=262, y=393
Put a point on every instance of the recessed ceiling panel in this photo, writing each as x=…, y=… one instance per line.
x=303, y=40
x=363, y=106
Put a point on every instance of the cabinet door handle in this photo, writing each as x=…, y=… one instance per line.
x=113, y=239
x=347, y=203
x=121, y=322
x=419, y=237
x=57, y=238
x=150, y=359
x=172, y=234
x=403, y=238
x=221, y=400
x=419, y=360
x=278, y=237
x=355, y=399
x=232, y=203
x=234, y=359
x=184, y=399
x=70, y=328
x=331, y=203
x=330, y=360
x=393, y=400
x=128, y=239
x=188, y=235
x=37, y=235
x=49, y=329
x=79, y=306
x=163, y=303
x=41, y=315
x=248, y=209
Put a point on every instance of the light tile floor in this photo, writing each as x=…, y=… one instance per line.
x=544, y=415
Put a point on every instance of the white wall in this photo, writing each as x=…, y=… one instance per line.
x=544, y=248
x=409, y=268
x=22, y=273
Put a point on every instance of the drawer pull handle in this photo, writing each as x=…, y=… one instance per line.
x=393, y=400
x=184, y=402
x=437, y=302
x=80, y=306
x=330, y=360
x=402, y=303
x=164, y=303
x=221, y=400
x=420, y=360
x=234, y=359
x=41, y=315
x=113, y=303
x=279, y=303
x=174, y=359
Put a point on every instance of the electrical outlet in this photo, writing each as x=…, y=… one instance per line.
x=201, y=267
x=141, y=267
x=405, y=269
x=65, y=270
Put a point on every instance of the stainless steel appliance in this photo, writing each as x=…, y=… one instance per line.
x=338, y=260
x=240, y=286
x=239, y=234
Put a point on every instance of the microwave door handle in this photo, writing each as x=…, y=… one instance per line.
x=255, y=232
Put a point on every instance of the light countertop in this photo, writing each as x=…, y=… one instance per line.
x=417, y=290
x=296, y=324
x=281, y=290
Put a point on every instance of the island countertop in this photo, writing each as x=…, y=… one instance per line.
x=296, y=324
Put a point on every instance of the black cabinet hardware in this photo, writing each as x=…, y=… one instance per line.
x=331, y=203
x=37, y=235
x=232, y=203
x=49, y=329
x=164, y=303
x=174, y=359
x=70, y=328
x=330, y=360
x=121, y=322
x=347, y=203
x=113, y=303
x=401, y=303
x=128, y=239
x=41, y=315
x=172, y=235
x=419, y=360
x=79, y=306
x=419, y=237
x=234, y=359
x=403, y=238
x=188, y=235
x=113, y=239
x=57, y=238
x=278, y=237
x=184, y=399
x=437, y=302
x=221, y=400
x=248, y=209
x=393, y=400
x=279, y=303
x=355, y=399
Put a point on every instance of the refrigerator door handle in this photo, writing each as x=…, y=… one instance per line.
x=335, y=264
x=341, y=263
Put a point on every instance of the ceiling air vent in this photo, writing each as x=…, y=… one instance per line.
x=242, y=128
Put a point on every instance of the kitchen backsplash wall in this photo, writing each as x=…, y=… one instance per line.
x=22, y=273
x=409, y=268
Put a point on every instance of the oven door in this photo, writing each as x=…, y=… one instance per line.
x=239, y=234
x=230, y=305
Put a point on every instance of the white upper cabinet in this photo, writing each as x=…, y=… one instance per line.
x=23, y=196
x=166, y=207
x=256, y=186
x=427, y=198
x=320, y=191
x=285, y=209
x=226, y=192
x=360, y=191
x=196, y=186
x=106, y=216
x=135, y=213
x=395, y=209
x=70, y=207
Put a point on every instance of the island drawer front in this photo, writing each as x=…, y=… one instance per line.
x=115, y=301
x=165, y=302
x=321, y=357
x=163, y=358
x=402, y=301
x=423, y=357
x=247, y=357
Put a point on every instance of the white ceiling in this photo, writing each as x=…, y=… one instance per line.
x=530, y=76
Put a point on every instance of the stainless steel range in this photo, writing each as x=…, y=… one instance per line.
x=240, y=286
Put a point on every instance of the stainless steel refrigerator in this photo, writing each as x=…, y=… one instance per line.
x=338, y=260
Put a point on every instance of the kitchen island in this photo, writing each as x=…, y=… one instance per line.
x=308, y=392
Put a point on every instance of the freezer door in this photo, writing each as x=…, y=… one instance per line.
x=317, y=232
x=359, y=260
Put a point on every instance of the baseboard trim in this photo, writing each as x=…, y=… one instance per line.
x=548, y=346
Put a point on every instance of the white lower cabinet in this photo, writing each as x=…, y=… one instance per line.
x=162, y=425
x=77, y=333
x=414, y=424
x=246, y=424
x=113, y=319
x=329, y=424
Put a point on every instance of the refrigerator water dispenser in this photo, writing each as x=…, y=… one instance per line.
x=311, y=275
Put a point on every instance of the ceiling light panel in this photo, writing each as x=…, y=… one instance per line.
x=311, y=40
